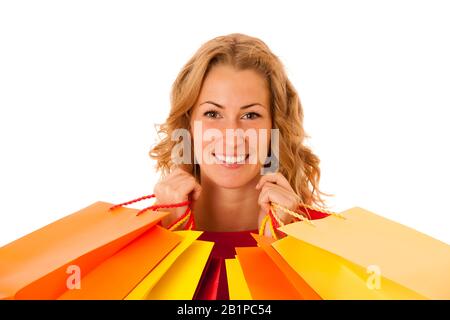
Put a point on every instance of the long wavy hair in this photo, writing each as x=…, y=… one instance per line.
x=297, y=162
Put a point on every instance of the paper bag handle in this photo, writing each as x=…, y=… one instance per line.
x=186, y=216
x=275, y=222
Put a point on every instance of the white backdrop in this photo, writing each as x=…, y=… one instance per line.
x=82, y=84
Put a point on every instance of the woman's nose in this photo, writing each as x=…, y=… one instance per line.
x=231, y=123
x=234, y=138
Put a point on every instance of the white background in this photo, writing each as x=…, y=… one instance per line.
x=82, y=84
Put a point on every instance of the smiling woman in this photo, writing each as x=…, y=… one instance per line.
x=240, y=97
x=242, y=112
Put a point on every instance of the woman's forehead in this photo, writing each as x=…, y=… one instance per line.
x=229, y=87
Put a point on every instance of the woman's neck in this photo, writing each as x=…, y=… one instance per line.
x=223, y=209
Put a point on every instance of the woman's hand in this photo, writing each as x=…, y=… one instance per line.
x=175, y=188
x=275, y=188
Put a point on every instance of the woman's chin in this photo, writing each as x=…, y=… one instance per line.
x=230, y=184
x=232, y=179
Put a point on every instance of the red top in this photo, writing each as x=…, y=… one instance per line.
x=213, y=284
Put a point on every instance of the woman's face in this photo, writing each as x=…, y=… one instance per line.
x=226, y=122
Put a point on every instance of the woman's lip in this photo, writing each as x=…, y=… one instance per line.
x=231, y=165
x=232, y=155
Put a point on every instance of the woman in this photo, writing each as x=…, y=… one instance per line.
x=234, y=83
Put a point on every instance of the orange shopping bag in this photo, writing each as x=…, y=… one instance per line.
x=303, y=288
x=115, y=277
x=38, y=265
x=266, y=280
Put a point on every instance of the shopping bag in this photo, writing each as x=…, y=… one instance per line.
x=334, y=278
x=264, y=279
x=36, y=266
x=302, y=287
x=237, y=286
x=142, y=290
x=181, y=279
x=361, y=255
x=117, y=276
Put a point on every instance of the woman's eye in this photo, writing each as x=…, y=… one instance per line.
x=211, y=114
x=251, y=115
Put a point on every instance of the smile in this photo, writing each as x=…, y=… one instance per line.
x=225, y=159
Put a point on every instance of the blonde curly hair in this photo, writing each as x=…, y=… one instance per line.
x=297, y=162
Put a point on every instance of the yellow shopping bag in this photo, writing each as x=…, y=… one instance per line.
x=181, y=280
x=143, y=289
x=237, y=286
x=365, y=256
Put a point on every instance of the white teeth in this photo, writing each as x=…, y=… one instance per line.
x=230, y=159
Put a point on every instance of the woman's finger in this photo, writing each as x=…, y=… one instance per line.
x=276, y=178
x=197, y=191
x=274, y=193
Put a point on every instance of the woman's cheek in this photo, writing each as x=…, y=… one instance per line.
x=260, y=149
x=201, y=137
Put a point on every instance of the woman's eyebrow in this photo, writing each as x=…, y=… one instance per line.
x=243, y=107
